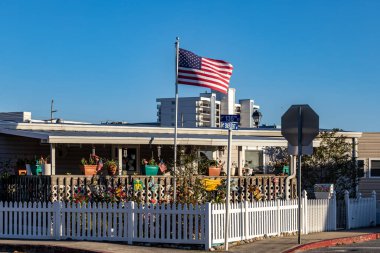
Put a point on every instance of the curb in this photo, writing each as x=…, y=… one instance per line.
x=334, y=242
x=6, y=247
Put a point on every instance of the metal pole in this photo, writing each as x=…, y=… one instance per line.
x=227, y=219
x=299, y=171
x=176, y=119
x=51, y=111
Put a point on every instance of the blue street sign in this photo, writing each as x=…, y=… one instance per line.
x=230, y=118
x=230, y=125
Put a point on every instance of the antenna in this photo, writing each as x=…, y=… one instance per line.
x=52, y=110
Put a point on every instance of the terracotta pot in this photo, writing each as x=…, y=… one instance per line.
x=214, y=171
x=88, y=170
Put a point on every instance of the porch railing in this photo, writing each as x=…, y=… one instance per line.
x=62, y=188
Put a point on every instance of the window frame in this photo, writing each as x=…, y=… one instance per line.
x=365, y=172
x=370, y=167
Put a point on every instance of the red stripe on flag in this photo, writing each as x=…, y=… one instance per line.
x=204, y=85
x=206, y=74
x=203, y=80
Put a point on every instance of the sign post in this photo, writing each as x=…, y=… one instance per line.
x=299, y=126
x=230, y=122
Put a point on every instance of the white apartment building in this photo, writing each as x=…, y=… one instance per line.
x=202, y=111
x=205, y=110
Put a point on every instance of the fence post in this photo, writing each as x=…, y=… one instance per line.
x=57, y=220
x=374, y=218
x=333, y=212
x=278, y=220
x=304, y=218
x=246, y=221
x=208, y=224
x=131, y=221
x=348, y=209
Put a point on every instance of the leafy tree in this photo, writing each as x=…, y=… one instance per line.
x=331, y=163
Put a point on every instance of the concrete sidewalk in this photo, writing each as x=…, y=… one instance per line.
x=277, y=244
x=290, y=244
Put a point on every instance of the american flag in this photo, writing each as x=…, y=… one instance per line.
x=204, y=72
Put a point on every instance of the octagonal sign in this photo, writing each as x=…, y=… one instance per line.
x=308, y=120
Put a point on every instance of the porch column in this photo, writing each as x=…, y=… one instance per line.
x=52, y=155
x=355, y=159
x=120, y=158
x=240, y=161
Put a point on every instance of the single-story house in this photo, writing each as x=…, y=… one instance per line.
x=66, y=143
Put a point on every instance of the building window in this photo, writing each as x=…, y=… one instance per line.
x=254, y=160
x=374, y=167
x=361, y=171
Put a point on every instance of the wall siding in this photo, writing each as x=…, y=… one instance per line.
x=369, y=148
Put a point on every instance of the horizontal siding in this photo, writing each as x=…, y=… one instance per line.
x=13, y=148
x=369, y=145
x=68, y=158
x=368, y=185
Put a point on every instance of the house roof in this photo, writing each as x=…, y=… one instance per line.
x=111, y=134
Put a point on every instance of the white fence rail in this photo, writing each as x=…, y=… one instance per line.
x=105, y=222
x=254, y=219
x=250, y=220
x=361, y=212
x=188, y=224
x=321, y=215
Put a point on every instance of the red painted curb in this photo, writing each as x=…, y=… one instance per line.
x=333, y=242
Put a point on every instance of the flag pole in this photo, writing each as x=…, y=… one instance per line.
x=176, y=118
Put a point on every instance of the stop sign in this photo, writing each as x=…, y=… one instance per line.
x=300, y=117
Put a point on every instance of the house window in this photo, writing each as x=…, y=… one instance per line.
x=254, y=160
x=374, y=167
x=361, y=172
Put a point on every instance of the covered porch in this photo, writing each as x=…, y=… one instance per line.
x=66, y=145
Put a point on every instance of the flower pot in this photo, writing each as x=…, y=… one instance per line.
x=28, y=169
x=214, y=171
x=46, y=169
x=36, y=169
x=88, y=170
x=233, y=171
x=21, y=171
x=248, y=171
x=151, y=170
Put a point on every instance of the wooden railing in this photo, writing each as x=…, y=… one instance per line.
x=63, y=188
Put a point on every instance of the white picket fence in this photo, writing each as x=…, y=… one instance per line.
x=105, y=222
x=250, y=220
x=186, y=224
x=361, y=212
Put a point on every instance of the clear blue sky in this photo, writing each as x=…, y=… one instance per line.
x=110, y=60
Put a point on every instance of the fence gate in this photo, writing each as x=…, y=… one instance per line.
x=341, y=214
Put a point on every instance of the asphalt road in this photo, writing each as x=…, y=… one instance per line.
x=367, y=247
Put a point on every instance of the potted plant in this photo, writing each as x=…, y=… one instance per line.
x=214, y=168
x=45, y=165
x=150, y=167
x=91, y=166
x=234, y=168
x=34, y=167
x=111, y=166
x=248, y=170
